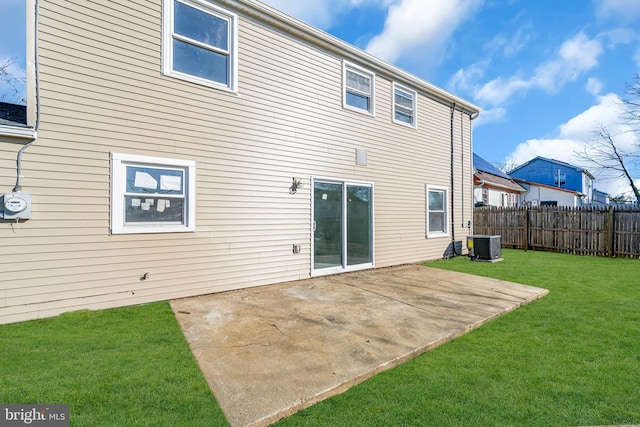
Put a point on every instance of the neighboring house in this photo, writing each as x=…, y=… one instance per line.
x=537, y=194
x=492, y=187
x=553, y=173
x=600, y=197
x=181, y=147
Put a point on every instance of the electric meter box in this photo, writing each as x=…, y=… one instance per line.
x=16, y=206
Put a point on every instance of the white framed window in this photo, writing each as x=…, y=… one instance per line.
x=404, y=106
x=200, y=43
x=358, y=89
x=152, y=194
x=437, y=208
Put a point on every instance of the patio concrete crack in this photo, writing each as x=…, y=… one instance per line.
x=393, y=299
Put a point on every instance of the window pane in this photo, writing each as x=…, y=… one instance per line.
x=358, y=82
x=403, y=99
x=199, y=62
x=328, y=218
x=201, y=26
x=359, y=239
x=149, y=180
x=436, y=201
x=153, y=209
x=403, y=117
x=358, y=101
x=436, y=221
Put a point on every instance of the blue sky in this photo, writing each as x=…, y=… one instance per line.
x=547, y=73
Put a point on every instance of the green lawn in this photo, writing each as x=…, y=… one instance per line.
x=122, y=367
x=570, y=358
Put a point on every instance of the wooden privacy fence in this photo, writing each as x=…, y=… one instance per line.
x=589, y=230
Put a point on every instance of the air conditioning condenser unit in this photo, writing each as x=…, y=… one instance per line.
x=485, y=248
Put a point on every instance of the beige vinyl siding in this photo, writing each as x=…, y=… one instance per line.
x=102, y=91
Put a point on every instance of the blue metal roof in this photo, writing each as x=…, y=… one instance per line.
x=557, y=162
x=482, y=165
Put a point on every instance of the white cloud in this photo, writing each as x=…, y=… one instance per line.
x=575, y=57
x=493, y=115
x=594, y=86
x=574, y=135
x=499, y=90
x=464, y=79
x=622, y=10
x=420, y=26
x=605, y=113
x=509, y=44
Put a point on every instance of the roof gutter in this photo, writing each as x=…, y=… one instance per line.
x=492, y=184
x=263, y=13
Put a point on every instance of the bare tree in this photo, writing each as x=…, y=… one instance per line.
x=10, y=83
x=506, y=166
x=606, y=153
x=631, y=113
x=610, y=160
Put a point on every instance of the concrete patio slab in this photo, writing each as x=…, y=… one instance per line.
x=270, y=351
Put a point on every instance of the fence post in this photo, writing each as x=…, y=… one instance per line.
x=612, y=231
x=525, y=230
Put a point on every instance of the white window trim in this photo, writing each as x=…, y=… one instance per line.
x=402, y=88
x=167, y=44
x=431, y=234
x=362, y=71
x=118, y=178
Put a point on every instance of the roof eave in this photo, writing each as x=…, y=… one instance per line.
x=309, y=33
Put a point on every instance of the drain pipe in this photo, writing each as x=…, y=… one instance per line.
x=18, y=186
x=462, y=176
x=453, y=232
x=452, y=202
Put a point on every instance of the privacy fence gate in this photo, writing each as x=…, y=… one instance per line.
x=612, y=231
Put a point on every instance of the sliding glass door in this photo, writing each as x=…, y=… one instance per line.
x=342, y=226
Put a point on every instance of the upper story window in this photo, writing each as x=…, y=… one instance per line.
x=152, y=195
x=199, y=43
x=358, y=89
x=560, y=179
x=404, y=105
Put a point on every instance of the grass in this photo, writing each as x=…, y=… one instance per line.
x=122, y=367
x=570, y=358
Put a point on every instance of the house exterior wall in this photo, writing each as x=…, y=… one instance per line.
x=539, y=194
x=495, y=196
x=547, y=172
x=102, y=92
